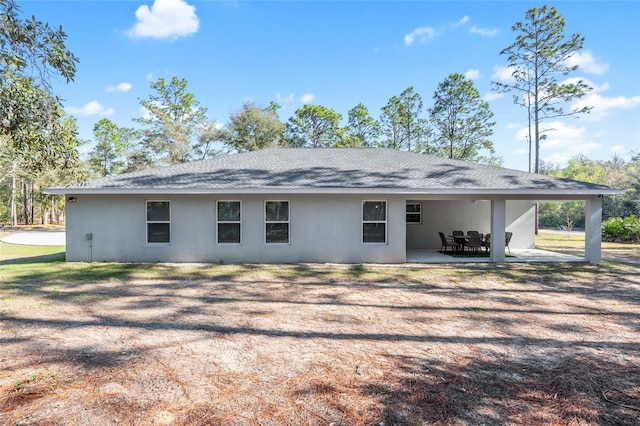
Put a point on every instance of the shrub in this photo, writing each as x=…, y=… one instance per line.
x=621, y=229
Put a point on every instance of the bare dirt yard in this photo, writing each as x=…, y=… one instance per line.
x=518, y=344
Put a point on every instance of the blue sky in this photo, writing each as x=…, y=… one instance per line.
x=341, y=53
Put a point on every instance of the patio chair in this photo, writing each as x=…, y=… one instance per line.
x=507, y=239
x=447, y=242
x=486, y=242
x=474, y=242
x=459, y=238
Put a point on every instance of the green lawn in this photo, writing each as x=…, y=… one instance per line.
x=29, y=251
x=558, y=241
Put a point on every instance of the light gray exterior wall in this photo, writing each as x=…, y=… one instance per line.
x=323, y=228
x=464, y=215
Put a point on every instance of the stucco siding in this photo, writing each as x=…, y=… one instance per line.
x=321, y=229
x=449, y=215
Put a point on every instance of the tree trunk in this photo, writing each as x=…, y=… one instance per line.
x=32, y=204
x=51, y=210
x=14, y=211
x=25, y=211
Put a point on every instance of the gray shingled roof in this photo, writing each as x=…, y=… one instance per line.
x=333, y=170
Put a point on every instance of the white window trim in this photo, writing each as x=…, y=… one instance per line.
x=147, y=222
x=288, y=221
x=420, y=212
x=228, y=221
x=385, y=221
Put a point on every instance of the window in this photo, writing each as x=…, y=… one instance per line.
x=374, y=221
x=414, y=212
x=228, y=217
x=158, y=222
x=276, y=218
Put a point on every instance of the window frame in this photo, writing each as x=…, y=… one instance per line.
x=385, y=222
x=288, y=222
x=219, y=222
x=148, y=222
x=419, y=212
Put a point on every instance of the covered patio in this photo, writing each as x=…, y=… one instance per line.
x=517, y=256
x=495, y=214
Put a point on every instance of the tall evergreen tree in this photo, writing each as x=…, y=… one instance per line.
x=173, y=117
x=400, y=121
x=315, y=126
x=538, y=58
x=461, y=120
x=412, y=124
x=113, y=144
x=363, y=129
x=254, y=127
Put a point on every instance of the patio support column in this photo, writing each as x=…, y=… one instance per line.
x=498, y=228
x=593, y=230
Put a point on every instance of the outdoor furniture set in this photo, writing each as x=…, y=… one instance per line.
x=472, y=241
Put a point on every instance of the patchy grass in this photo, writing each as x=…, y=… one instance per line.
x=619, y=253
x=174, y=344
x=551, y=241
x=17, y=250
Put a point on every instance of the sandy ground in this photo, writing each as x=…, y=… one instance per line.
x=324, y=345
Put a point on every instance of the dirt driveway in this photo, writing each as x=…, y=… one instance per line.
x=322, y=345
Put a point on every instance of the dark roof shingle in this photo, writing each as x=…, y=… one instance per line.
x=334, y=168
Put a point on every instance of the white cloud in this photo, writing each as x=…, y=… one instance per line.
x=563, y=142
x=502, y=73
x=122, y=87
x=427, y=33
x=484, y=31
x=305, y=99
x=587, y=63
x=423, y=34
x=472, y=74
x=91, y=108
x=603, y=106
x=145, y=113
x=165, y=19
x=462, y=21
x=595, y=88
x=618, y=149
x=287, y=99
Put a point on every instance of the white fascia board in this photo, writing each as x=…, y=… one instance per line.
x=439, y=193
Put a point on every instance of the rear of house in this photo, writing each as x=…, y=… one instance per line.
x=290, y=205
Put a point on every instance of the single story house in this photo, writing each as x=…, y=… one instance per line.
x=290, y=205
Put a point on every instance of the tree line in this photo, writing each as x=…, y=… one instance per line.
x=174, y=128
x=615, y=172
x=39, y=143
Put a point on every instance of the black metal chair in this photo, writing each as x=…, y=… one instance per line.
x=507, y=240
x=486, y=242
x=458, y=237
x=474, y=242
x=446, y=242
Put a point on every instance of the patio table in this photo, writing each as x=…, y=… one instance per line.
x=460, y=239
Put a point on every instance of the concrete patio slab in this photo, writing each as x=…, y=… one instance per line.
x=519, y=256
